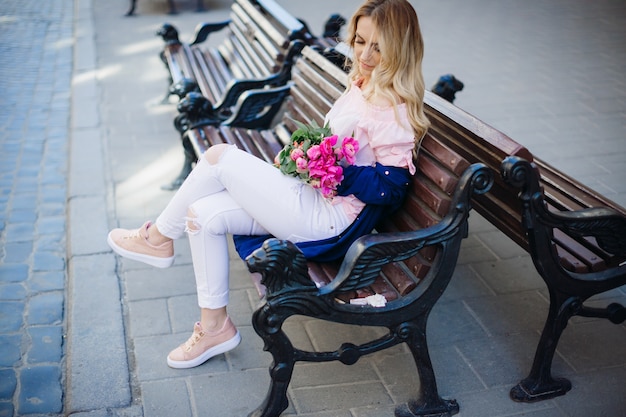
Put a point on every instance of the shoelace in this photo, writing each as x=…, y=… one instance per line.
x=195, y=338
x=134, y=234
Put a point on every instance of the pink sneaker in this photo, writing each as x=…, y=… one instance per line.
x=133, y=244
x=203, y=345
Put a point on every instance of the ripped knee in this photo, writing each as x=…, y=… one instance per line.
x=214, y=153
x=191, y=222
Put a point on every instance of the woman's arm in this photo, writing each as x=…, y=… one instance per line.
x=378, y=185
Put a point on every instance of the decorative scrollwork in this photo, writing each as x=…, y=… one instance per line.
x=516, y=172
x=482, y=180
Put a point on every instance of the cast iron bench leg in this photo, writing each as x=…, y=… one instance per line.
x=131, y=11
x=429, y=403
x=540, y=385
x=278, y=344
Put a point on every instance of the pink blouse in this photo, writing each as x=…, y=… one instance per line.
x=383, y=136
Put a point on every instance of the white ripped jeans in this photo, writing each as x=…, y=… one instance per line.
x=242, y=194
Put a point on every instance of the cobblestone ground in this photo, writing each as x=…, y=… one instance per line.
x=35, y=72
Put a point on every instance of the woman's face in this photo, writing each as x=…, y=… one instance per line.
x=366, y=50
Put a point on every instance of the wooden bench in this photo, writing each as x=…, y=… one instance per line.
x=260, y=45
x=575, y=236
x=256, y=47
x=170, y=4
x=409, y=260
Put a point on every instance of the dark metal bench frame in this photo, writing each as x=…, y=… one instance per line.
x=568, y=289
x=557, y=220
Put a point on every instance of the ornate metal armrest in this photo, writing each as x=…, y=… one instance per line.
x=257, y=108
x=235, y=87
x=605, y=224
x=203, y=30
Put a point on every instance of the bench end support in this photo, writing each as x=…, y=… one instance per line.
x=446, y=409
x=531, y=390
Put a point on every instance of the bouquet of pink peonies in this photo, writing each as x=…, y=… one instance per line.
x=314, y=157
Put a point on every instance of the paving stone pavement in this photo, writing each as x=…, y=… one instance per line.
x=85, y=144
x=35, y=75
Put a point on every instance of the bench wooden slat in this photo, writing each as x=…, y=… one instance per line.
x=437, y=173
x=446, y=156
x=396, y=274
x=211, y=87
x=251, y=43
x=279, y=16
x=183, y=64
x=569, y=261
x=580, y=195
x=222, y=73
x=303, y=109
x=335, y=75
x=255, y=34
x=434, y=197
x=331, y=89
x=593, y=261
x=215, y=136
x=173, y=65
x=267, y=148
x=232, y=56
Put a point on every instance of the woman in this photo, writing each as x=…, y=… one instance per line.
x=232, y=192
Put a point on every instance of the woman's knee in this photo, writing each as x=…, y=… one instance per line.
x=214, y=153
x=200, y=220
x=192, y=226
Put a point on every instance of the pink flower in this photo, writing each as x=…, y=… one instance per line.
x=301, y=165
x=327, y=145
x=314, y=152
x=349, y=148
x=330, y=181
x=296, y=153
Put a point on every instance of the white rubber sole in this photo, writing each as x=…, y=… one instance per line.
x=214, y=351
x=146, y=259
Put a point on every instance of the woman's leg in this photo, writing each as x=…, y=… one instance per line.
x=152, y=242
x=209, y=221
x=283, y=205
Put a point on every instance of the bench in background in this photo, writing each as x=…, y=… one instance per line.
x=170, y=4
x=259, y=33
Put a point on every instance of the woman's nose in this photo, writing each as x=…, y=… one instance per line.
x=367, y=52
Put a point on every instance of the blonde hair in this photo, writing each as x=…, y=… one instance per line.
x=399, y=73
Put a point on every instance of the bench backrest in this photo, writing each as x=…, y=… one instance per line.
x=260, y=33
